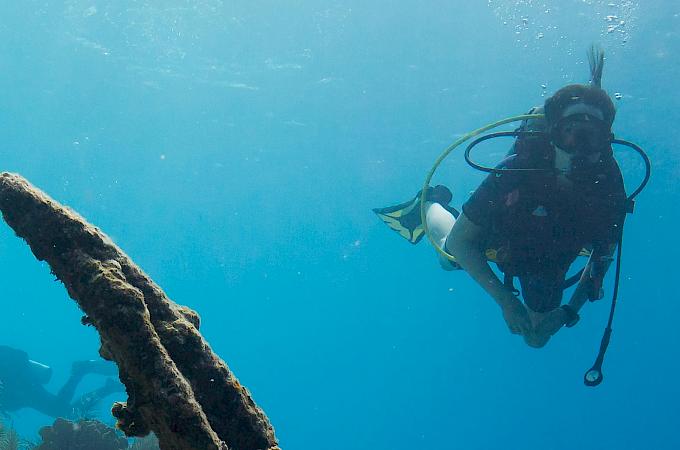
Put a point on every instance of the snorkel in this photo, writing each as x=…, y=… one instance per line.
x=590, y=112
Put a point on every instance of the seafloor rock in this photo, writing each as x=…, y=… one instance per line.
x=81, y=435
x=177, y=386
x=149, y=442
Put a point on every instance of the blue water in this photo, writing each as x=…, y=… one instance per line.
x=234, y=149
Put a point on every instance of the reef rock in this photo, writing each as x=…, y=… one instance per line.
x=81, y=435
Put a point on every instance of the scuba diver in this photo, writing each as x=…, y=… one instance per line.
x=22, y=385
x=558, y=194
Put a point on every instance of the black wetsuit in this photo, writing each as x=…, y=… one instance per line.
x=539, y=227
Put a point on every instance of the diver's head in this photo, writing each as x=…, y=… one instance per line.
x=579, y=120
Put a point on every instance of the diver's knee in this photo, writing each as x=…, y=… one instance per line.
x=439, y=221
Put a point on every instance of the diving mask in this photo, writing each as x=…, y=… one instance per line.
x=581, y=134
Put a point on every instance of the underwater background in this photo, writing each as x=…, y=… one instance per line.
x=234, y=149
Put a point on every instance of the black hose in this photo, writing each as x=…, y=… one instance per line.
x=593, y=376
x=572, y=280
x=648, y=166
x=486, y=137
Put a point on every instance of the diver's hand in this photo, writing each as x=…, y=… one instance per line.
x=545, y=326
x=551, y=322
x=516, y=315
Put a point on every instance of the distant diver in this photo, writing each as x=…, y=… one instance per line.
x=22, y=385
x=558, y=194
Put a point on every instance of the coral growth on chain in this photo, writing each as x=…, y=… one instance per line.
x=177, y=386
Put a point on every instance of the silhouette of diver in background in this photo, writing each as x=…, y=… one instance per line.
x=22, y=385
